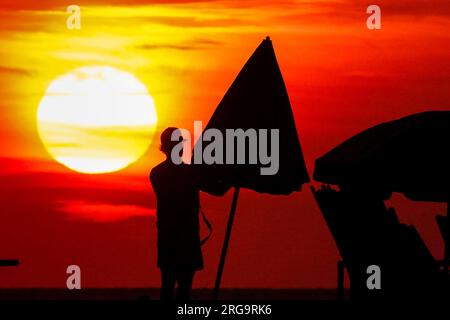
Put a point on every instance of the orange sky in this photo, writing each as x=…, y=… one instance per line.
x=340, y=76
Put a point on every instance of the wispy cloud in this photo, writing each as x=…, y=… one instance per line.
x=51, y=4
x=103, y=212
x=15, y=71
x=94, y=198
x=198, y=44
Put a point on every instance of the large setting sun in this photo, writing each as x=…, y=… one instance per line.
x=96, y=119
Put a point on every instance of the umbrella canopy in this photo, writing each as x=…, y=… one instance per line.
x=409, y=155
x=257, y=99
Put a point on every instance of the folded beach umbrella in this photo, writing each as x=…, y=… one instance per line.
x=256, y=100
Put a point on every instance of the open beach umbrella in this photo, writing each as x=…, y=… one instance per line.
x=257, y=99
x=409, y=155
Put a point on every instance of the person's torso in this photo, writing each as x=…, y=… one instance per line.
x=177, y=198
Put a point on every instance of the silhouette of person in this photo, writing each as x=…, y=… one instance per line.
x=178, y=236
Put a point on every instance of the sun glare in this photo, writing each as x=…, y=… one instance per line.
x=96, y=119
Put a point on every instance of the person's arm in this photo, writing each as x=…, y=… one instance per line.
x=211, y=185
x=216, y=188
x=153, y=179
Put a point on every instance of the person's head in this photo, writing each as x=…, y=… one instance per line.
x=166, y=140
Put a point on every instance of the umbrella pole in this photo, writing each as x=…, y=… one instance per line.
x=223, y=255
x=446, y=243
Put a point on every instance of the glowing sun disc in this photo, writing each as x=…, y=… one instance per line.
x=96, y=119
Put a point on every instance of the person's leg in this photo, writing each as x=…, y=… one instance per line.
x=184, y=279
x=168, y=278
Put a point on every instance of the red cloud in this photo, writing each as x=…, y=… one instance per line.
x=103, y=212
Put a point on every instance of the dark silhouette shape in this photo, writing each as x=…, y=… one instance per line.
x=178, y=205
x=179, y=252
x=257, y=99
x=408, y=155
x=367, y=233
x=340, y=281
x=444, y=227
x=9, y=263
